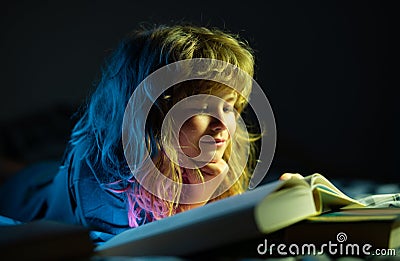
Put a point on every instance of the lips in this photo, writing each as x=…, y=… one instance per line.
x=217, y=142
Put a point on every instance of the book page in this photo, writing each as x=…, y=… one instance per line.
x=329, y=192
x=359, y=214
x=329, y=200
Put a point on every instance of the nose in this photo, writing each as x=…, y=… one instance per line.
x=217, y=125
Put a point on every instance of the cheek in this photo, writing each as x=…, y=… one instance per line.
x=230, y=123
x=195, y=125
x=184, y=134
x=191, y=130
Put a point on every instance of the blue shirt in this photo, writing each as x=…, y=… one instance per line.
x=71, y=193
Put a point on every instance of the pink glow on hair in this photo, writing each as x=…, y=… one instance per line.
x=142, y=206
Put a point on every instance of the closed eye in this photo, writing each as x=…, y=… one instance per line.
x=198, y=110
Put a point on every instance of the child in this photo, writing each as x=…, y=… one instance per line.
x=102, y=181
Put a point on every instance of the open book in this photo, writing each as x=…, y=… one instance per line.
x=253, y=214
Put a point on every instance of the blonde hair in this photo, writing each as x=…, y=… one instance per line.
x=141, y=53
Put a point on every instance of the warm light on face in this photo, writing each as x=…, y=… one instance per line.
x=205, y=133
x=185, y=135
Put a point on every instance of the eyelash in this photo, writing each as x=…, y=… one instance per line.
x=227, y=108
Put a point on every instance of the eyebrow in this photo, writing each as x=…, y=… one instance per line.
x=230, y=97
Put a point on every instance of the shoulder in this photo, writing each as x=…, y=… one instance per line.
x=96, y=207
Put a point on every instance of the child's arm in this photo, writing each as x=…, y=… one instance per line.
x=214, y=168
x=214, y=172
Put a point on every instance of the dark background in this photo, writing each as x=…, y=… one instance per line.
x=327, y=68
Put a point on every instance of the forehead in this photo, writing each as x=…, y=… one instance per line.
x=225, y=96
x=206, y=100
x=216, y=89
x=204, y=87
x=230, y=96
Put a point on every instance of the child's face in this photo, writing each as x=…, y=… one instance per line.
x=216, y=131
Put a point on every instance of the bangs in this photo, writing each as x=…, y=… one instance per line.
x=195, y=87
